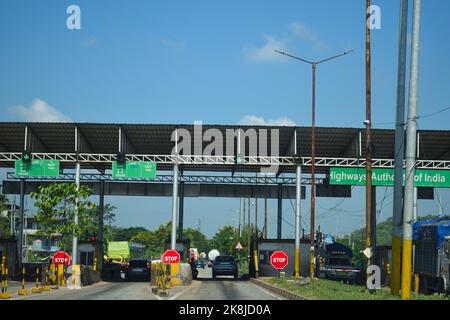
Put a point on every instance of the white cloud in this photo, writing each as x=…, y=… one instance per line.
x=266, y=53
x=296, y=32
x=252, y=120
x=38, y=111
x=89, y=41
x=173, y=44
x=303, y=33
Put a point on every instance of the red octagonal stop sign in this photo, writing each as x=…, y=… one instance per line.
x=61, y=257
x=279, y=260
x=171, y=256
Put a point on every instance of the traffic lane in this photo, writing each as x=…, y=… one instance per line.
x=102, y=291
x=224, y=288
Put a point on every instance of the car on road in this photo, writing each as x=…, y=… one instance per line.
x=200, y=264
x=137, y=269
x=225, y=266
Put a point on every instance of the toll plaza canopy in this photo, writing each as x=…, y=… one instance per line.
x=96, y=145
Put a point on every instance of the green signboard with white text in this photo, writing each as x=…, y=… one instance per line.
x=134, y=169
x=385, y=177
x=36, y=168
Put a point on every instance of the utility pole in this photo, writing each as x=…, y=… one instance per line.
x=368, y=139
x=411, y=137
x=256, y=217
x=314, y=65
x=239, y=217
x=399, y=151
x=256, y=211
x=265, y=218
x=249, y=229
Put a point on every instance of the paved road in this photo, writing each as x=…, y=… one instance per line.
x=100, y=291
x=223, y=288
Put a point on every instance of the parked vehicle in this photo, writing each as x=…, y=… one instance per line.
x=335, y=263
x=225, y=266
x=137, y=269
x=200, y=264
x=432, y=254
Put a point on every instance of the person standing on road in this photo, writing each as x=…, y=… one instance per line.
x=193, y=269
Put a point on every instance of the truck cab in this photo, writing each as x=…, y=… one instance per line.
x=432, y=254
x=335, y=263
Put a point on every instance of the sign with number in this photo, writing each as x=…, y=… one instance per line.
x=134, y=169
x=35, y=168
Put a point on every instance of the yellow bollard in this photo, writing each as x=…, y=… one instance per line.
x=95, y=264
x=37, y=289
x=63, y=280
x=23, y=291
x=45, y=286
x=5, y=294
x=60, y=274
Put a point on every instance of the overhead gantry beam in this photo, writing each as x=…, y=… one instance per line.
x=221, y=160
x=168, y=178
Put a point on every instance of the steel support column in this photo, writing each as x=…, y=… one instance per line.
x=75, y=238
x=280, y=211
x=181, y=212
x=399, y=151
x=101, y=211
x=174, y=207
x=411, y=137
x=21, y=221
x=298, y=198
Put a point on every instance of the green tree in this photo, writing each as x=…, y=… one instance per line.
x=57, y=206
x=225, y=240
x=4, y=221
x=108, y=217
x=125, y=234
x=197, y=238
x=154, y=240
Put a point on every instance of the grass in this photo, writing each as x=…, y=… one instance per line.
x=322, y=289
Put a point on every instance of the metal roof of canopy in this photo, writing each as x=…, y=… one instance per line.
x=155, y=139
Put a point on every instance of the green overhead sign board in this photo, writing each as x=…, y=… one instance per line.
x=385, y=177
x=134, y=170
x=36, y=168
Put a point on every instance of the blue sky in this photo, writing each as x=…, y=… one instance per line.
x=178, y=61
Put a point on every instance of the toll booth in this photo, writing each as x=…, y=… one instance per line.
x=182, y=246
x=266, y=247
x=8, y=249
x=87, y=252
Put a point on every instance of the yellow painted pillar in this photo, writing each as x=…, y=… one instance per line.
x=416, y=283
x=406, y=269
x=255, y=256
x=297, y=264
x=396, y=265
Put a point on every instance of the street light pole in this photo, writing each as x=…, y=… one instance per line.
x=313, y=147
